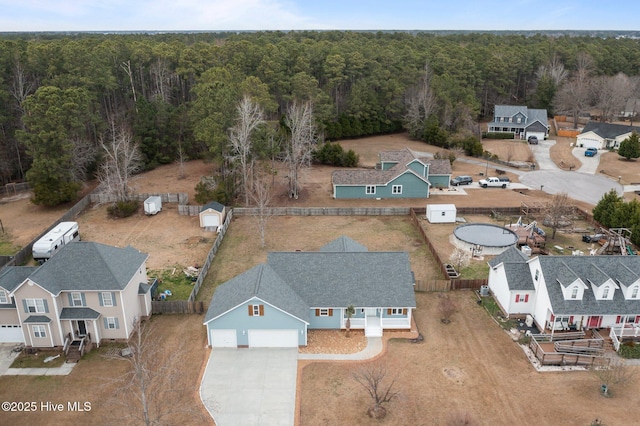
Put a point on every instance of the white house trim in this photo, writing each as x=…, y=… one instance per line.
x=55, y=307
x=124, y=314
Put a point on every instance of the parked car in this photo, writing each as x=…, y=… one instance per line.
x=590, y=152
x=461, y=180
x=533, y=140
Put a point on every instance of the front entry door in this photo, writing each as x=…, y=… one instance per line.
x=594, y=322
x=82, y=328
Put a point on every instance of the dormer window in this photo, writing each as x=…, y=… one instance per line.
x=634, y=292
x=605, y=292
x=574, y=292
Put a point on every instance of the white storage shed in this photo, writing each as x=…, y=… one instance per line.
x=212, y=216
x=441, y=213
x=153, y=205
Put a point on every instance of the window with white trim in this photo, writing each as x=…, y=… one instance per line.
x=574, y=292
x=605, y=292
x=256, y=310
x=370, y=189
x=324, y=312
x=537, y=274
x=107, y=300
x=39, y=331
x=634, y=292
x=4, y=299
x=396, y=311
x=112, y=323
x=35, y=305
x=76, y=299
x=396, y=189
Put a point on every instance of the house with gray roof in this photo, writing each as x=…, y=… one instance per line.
x=568, y=292
x=604, y=135
x=401, y=174
x=274, y=304
x=520, y=121
x=87, y=292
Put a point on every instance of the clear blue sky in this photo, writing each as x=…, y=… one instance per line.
x=220, y=15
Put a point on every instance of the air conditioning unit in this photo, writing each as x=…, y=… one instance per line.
x=529, y=321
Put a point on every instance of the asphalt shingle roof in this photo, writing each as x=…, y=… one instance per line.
x=298, y=281
x=213, y=205
x=619, y=269
x=382, y=177
x=12, y=276
x=515, y=267
x=608, y=130
x=77, y=313
x=36, y=319
x=87, y=266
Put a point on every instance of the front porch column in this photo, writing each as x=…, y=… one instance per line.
x=95, y=328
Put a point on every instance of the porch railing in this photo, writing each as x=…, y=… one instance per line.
x=67, y=344
x=619, y=332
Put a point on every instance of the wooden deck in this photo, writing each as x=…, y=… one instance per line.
x=575, y=348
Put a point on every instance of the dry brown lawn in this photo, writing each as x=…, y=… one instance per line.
x=91, y=381
x=468, y=366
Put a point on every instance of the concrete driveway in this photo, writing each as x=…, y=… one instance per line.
x=251, y=386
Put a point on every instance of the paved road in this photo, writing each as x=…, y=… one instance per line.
x=589, y=164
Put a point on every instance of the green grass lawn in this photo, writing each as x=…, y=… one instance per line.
x=174, y=280
x=25, y=360
x=491, y=306
x=7, y=248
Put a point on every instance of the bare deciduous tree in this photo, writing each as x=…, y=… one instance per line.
x=21, y=87
x=152, y=390
x=447, y=307
x=261, y=195
x=250, y=117
x=554, y=69
x=84, y=153
x=557, y=212
x=302, y=140
x=611, y=94
x=374, y=377
x=420, y=103
x=573, y=96
x=614, y=373
x=121, y=160
x=460, y=258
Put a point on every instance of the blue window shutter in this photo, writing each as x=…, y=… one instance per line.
x=106, y=325
x=46, y=306
x=24, y=303
x=113, y=298
x=117, y=323
x=100, y=299
x=70, y=299
x=84, y=301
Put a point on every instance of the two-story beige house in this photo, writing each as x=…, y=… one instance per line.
x=86, y=290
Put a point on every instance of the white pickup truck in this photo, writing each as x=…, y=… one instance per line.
x=493, y=182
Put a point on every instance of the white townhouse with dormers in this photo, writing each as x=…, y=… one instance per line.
x=568, y=292
x=86, y=291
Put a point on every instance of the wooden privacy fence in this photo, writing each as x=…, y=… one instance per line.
x=448, y=285
x=180, y=197
x=210, y=256
x=177, y=307
x=326, y=211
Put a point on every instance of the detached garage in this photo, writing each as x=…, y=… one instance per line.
x=212, y=216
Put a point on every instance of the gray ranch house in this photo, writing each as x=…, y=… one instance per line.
x=274, y=304
x=604, y=135
x=400, y=174
x=520, y=121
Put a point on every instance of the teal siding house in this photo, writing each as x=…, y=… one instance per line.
x=274, y=304
x=401, y=174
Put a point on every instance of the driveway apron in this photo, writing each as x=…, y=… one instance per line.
x=255, y=386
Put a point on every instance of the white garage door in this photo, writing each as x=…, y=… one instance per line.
x=273, y=338
x=11, y=333
x=224, y=339
x=589, y=143
x=211, y=220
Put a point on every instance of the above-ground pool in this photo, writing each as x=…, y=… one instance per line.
x=486, y=238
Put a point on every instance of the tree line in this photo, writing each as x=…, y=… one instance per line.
x=66, y=99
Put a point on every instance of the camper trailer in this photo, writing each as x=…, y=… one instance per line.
x=152, y=205
x=63, y=233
